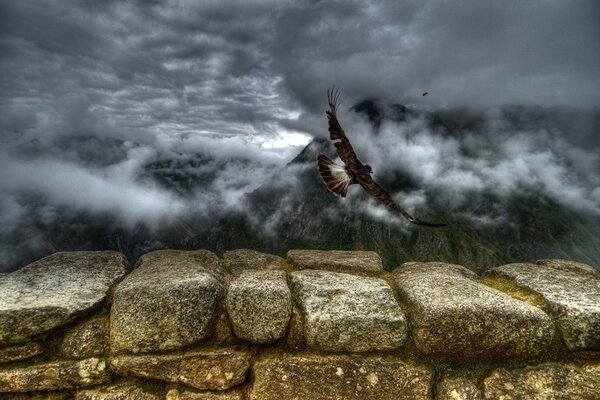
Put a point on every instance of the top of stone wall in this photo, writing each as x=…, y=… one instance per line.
x=54, y=290
x=177, y=299
x=168, y=302
x=240, y=260
x=336, y=260
x=571, y=291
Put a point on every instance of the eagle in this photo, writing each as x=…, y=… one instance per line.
x=338, y=178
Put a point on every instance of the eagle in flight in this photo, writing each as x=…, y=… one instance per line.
x=338, y=178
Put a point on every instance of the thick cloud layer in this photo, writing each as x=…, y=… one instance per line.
x=104, y=105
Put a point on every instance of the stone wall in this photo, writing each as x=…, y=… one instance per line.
x=317, y=325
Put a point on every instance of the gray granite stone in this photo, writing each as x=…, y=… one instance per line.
x=240, y=260
x=339, y=377
x=55, y=290
x=125, y=390
x=336, y=260
x=452, y=315
x=175, y=394
x=89, y=338
x=344, y=312
x=20, y=351
x=572, y=292
x=170, y=301
x=457, y=389
x=259, y=304
x=207, y=369
x=550, y=381
x=55, y=375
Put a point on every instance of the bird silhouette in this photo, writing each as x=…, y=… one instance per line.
x=338, y=178
x=425, y=93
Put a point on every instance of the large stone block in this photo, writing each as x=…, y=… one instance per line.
x=572, y=292
x=339, y=377
x=544, y=382
x=119, y=391
x=170, y=301
x=56, y=395
x=336, y=260
x=89, y=338
x=175, y=394
x=344, y=312
x=54, y=376
x=202, y=369
x=454, y=316
x=259, y=304
x=20, y=351
x=457, y=389
x=55, y=290
x=240, y=260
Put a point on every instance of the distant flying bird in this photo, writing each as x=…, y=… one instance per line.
x=339, y=177
x=425, y=94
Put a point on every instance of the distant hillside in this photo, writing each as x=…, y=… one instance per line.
x=294, y=210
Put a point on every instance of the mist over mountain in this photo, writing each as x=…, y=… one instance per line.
x=136, y=125
x=505, y=180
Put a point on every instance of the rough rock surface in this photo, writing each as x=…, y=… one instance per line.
x=204, y=369
x=454, y=316
x=170, y=301
x=336, y=260
x=175, y=394
x=88, y=338
x=295, y=340
x=54, y=376
x=343, y=312
x=57, y=395
x=21, y=351
x=544, y=382
x=240, y=260
x=572, y=292
x=223, y=331
x=118, y=391
x=54, y=290
x=457, y=389
x=259, y=304
x=338, y=377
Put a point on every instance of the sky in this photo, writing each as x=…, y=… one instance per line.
x=92, y=93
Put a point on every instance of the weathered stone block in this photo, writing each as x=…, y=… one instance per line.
x=56, y=395
x=170, y=301
x=457, y=389
x=240, y=260
x=339, y=377
x=545, y=381
x=54, y=376
x=175, y=394
x=259, y=304
x=344, y=312
x=21, y=351
x=572, y=292
x=454, y=316
x=87, y=339
x=119, y=391
x=206, y=369
x=336, y=260
x=55, y=290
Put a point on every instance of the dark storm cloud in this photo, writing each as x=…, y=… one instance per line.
x=92, y=93
x=464, y=53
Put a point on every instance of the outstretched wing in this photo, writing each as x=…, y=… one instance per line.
x=343, y=147
x=377, y=191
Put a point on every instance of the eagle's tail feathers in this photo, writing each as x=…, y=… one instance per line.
x=335, y=176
